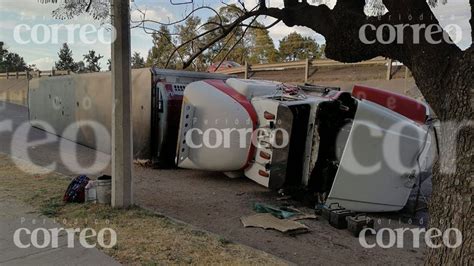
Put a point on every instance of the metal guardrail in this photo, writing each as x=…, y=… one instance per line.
x=34, y=74
x=306, y=64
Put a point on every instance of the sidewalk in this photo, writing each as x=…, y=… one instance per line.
x=15, y=215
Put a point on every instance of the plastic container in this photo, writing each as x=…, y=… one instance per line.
x=91, y=192
x=104, y=189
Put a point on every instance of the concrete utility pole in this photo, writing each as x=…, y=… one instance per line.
x=122, y=144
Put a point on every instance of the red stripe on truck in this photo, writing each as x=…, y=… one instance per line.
x=401, y=104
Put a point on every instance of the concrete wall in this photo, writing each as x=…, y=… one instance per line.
x=70, y=100
x=14, y=91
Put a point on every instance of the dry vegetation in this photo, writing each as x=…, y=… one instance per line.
x=143, y=237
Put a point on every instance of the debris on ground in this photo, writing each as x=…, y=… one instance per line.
x=283, y=219
x=305, y=216
x=284, y=198
x=327, y=209
x=143, y=163
x=268, y=221
x=75, y=192
x=337, y=218
x=355, y=224
x=278, y=212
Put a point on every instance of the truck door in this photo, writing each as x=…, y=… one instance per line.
x=378, y=167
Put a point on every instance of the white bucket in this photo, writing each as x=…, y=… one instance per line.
x=104, y=189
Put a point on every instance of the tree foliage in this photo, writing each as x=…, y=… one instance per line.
x=186, y=34
x=92, y=59
x=81, y=67
x=3, y=51
x=234, y=46
x=162, y=48
x=98, y=9
x=295, y=47
x=137, y=61
x=262, y=47
x=66, y=61
x=251, y=44
x=11, y=62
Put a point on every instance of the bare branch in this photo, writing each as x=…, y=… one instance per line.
x=143, y=20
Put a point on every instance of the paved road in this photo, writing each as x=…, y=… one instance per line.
x=15, y=215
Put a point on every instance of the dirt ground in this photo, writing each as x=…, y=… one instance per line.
x=215, y=203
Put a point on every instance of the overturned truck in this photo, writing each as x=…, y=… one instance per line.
x=362, y=149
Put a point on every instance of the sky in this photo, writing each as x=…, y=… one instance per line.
x=29, y=13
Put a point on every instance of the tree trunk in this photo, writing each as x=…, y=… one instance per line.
x=451, y=203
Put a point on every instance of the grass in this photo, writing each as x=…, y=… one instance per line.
x=51, y=208
x=143, y=237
